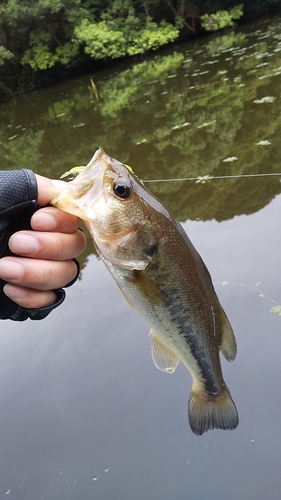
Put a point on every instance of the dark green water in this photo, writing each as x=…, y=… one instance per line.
x=84, y=413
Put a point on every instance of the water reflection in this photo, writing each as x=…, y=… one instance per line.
x=183, y=113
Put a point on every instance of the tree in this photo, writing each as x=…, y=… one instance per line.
x=107, y=39
x=40, y=37
x=221, y=19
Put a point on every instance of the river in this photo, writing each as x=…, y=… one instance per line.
x=85, y=415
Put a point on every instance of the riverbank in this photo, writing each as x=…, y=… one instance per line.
x=42, y=44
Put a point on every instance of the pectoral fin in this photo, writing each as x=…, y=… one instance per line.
x=148, y=288
x=163, y=358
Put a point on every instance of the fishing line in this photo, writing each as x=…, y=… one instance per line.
x=205, y=178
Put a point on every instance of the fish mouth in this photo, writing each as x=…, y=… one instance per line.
x=86, y=190
x=89, y=177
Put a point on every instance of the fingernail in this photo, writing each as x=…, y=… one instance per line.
x=14, y=292
x=23, y=244
x=10, y=270
x=43, y=222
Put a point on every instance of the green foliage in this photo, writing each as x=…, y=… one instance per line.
x=225, y=41
x=167, y=120
x=152, y=37
x=105, y=39
x=222, y=18
x=130, y=85
x=175, y=115
x=5, y=55
x=38, y=35
x=276, y=310
x=99, y=40
x=40, y=56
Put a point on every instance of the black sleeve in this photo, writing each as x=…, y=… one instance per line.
x=18, y=201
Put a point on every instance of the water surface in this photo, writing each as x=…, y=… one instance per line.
x=84, y=412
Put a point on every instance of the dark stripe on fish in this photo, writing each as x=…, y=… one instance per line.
x=185, y=328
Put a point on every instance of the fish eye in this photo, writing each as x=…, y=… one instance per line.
x=121, y=190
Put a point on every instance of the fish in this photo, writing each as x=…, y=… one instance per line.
x=163, y=278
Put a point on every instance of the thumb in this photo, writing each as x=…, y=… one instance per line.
x=48, y=189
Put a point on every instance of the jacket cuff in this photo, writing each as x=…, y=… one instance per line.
x=19, y=192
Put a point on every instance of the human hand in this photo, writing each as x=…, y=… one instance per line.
x=43, y=261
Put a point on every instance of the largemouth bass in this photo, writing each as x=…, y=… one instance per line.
x=162, y=277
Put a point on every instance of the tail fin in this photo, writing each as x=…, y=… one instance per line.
x=206, y=411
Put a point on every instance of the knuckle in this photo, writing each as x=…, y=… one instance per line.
x=43, y=277
x=60, y=246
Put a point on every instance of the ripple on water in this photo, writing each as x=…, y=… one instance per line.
x=229, y=449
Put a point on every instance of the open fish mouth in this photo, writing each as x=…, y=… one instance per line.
x=83, y=193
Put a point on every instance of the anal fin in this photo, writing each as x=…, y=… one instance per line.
x=163, y=358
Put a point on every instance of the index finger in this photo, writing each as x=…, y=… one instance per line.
x=53, y=219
